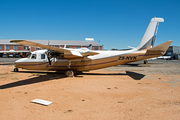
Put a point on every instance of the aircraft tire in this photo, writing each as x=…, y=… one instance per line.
x=69, y=73
x=15, y=69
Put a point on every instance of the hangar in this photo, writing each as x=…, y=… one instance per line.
x=174, y=52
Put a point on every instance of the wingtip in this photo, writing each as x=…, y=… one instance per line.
x=15, y=41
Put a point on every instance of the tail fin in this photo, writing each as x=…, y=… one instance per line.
x=150, y=34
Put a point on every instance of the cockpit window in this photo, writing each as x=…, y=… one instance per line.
x=42, y=56
x=33, y=56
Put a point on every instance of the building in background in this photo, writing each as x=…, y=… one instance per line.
x=174, y=52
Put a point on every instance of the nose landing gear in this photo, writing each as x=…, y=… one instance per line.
x=16, y=70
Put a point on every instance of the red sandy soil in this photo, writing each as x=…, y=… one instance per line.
x=95, y=95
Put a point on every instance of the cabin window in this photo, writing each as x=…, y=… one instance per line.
x=33, y=56
x=1, y=47
x=42, y=56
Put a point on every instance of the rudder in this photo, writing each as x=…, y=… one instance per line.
x=150, y=34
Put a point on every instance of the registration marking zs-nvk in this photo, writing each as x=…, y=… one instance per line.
x=127, y=57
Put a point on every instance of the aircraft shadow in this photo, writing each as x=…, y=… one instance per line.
x=137, y=64
x=133, y=75
x=6, y=63
x=102, y=74
x=55, y=75
x=37, y=79
x=134, y=65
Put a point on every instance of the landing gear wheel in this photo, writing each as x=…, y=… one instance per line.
x=69, y=73
x=15, y=69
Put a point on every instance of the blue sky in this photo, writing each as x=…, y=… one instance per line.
x=115, y=23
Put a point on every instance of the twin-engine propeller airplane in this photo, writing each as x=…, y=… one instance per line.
x=72, y=60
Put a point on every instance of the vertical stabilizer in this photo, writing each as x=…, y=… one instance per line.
x=150, y=34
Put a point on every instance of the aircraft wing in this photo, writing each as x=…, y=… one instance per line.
x=24, y=42
x=70, y=54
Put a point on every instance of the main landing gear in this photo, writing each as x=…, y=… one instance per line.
x=16, y=70
x=69, y=73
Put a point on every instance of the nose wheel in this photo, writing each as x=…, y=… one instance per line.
x=16, y=70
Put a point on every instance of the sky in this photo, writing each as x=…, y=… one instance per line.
x=114, y=23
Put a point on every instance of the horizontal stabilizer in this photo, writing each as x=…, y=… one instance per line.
x=160, y=48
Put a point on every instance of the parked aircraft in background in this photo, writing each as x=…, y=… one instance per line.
x=72, y=60
x=12, y=53
x=161, y=57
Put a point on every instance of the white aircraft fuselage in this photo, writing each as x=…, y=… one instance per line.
x=101, y=60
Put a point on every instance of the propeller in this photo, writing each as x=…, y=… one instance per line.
x=48, y=55
x=49, y=60
x=52, y=54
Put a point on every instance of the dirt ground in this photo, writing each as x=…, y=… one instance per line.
x=126, y=92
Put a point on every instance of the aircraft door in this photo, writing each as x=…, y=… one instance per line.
x=43, y=61
x=43, y=58
x=33, y=59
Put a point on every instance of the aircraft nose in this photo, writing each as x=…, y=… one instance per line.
x=19, y=61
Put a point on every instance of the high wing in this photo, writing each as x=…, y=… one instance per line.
x=69, y=54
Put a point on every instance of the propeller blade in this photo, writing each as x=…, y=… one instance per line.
x=49, y=61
